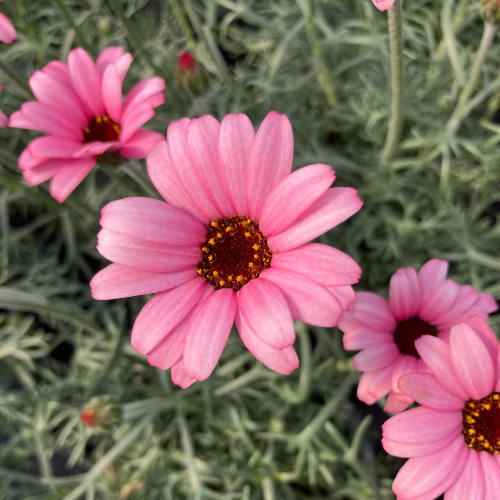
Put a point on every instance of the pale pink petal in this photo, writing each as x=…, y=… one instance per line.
x=165, y=179
x=140, y=144
x=163, y=312
x=373, y=311
x=324, y=264
x=266, y=312
x=112, y=93
x=466, y=297
x=4, y=120
x=404, y=365
x=27, y=160
x=421, y=475
x=282, y=361
x=207, y=333
x=487, y=303
x=69, y=176
x=471, y=361
x=329, y=210
x=486, y=334
x=307, y=300
x=146, y=255
x=436, y=355
x=361, y=337
x=96, y=148
x=491, y=473
x=59, y=71
x=383, y=4
x=404, y=294
x=344, y=294
x=143, y=91
x=179, y=375
x=438, y=302
x=171, y=348
x=236, y=139
x=470, y=484
x=116, y=282
x=203, y=140
x=374, y=385
x=375, y=357
x=54, y=147
x=270, y=160
x=431, y=275
x=86, y=80
x=43, y=172
x=134, y=119
x=427, y=391
x=405, y=450
x=7, y=31
x=108, y=56
x=153, y=220
x=396, y=403
x=292, y=196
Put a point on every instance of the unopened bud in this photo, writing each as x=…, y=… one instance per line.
x=186, y=63
x=490, y=11
x=190, y=76
x=101, y=413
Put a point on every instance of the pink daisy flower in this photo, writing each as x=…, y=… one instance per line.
x=453, y=440
x=383, y=4
x=80, y=106
x=7, y=31
x=419, y=304
x=230, y=246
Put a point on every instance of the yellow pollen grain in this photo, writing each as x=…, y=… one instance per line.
x=230, y=228
x=216, y=274
x=250, y=264
x=255, y=256
x=222, y=282
x=496, y=397
x=210, y=258
x=472, y=431
x=256, y=247
x=214, y=224
x=98, y=119
x=219, y=235
x=205, y=249
x=487, y=406
x=239, y=278
x=247, y=234
x=199, y=271
x=230, y=278
x=212, y=241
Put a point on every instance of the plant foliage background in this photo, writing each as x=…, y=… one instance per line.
x=246, y=433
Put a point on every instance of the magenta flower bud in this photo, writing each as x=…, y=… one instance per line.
x=383, y=4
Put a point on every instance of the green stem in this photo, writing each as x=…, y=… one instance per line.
x=20, y=84
x=396, y=45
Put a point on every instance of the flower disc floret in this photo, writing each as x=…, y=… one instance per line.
x=408, y=331
x=101, y=128
x=481, y=424
x=235, y=253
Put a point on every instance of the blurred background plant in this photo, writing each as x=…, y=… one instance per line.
x=81, y=414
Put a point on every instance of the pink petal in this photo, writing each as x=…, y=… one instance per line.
x=27, y=160
x=435, y=353
x=146, y=255
x=69, y=176
x=164, y=177
x=266, y=312
x=471, y=361
x=140, y=144
x=486, y=334
x=112, y=93
x=421, y=475
x=282, y=361
x=4, y=120
x=44, y=171
x=153, y=220
x=438, y=302
x=359, y=338
x=329, y=210
x=404, y=365
x=236, y=139
x=270, y=160
x=143, y=91
x=397, y=402
x=383, y=4
x=404, y=294
x=374, y=385
x=58, y=71
x=54, y=147
x=179, y=375
x=405, y=450
x=108, y=56
x=491, y=473
x=375, y=357
x=96, y=148
x=470, y=484
x=466, y=297
x=324, y=264
x=163, y=312
x=133, y=119
x=203, y=139
x=308, y=301
x=344, y=294
x=292, y=196
x=373, y=311
x=207, y=333
x=431, y=275
x=427, y=391
x=7, y=31
x=116, y=282
x=86, y=80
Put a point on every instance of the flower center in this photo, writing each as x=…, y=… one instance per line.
x=410, y=330
x=481, y=423
x=235, y=252
x=101, y=128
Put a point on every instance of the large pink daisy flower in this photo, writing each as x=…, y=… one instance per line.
x=419, y=304
x=7, y=31
x=453, y=440
x=80, y=107
x=230, y=245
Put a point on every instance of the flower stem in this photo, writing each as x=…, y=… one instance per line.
x=396, y=45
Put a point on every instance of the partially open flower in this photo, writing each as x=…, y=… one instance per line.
x=80, y=107
x=423, y=304
x=230, y=245
x=383, y=4
x=101, y=413
x=453, y=440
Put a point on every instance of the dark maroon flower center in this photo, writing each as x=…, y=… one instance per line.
x=101, y=128
x=481, y=423
x=235, y=252
x=410, y=330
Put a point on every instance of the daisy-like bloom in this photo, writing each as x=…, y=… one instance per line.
x=80, y=106
x=230, y=245
x=383, y=4
x=453, y=440
x=419, y=304
x=7, y=31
